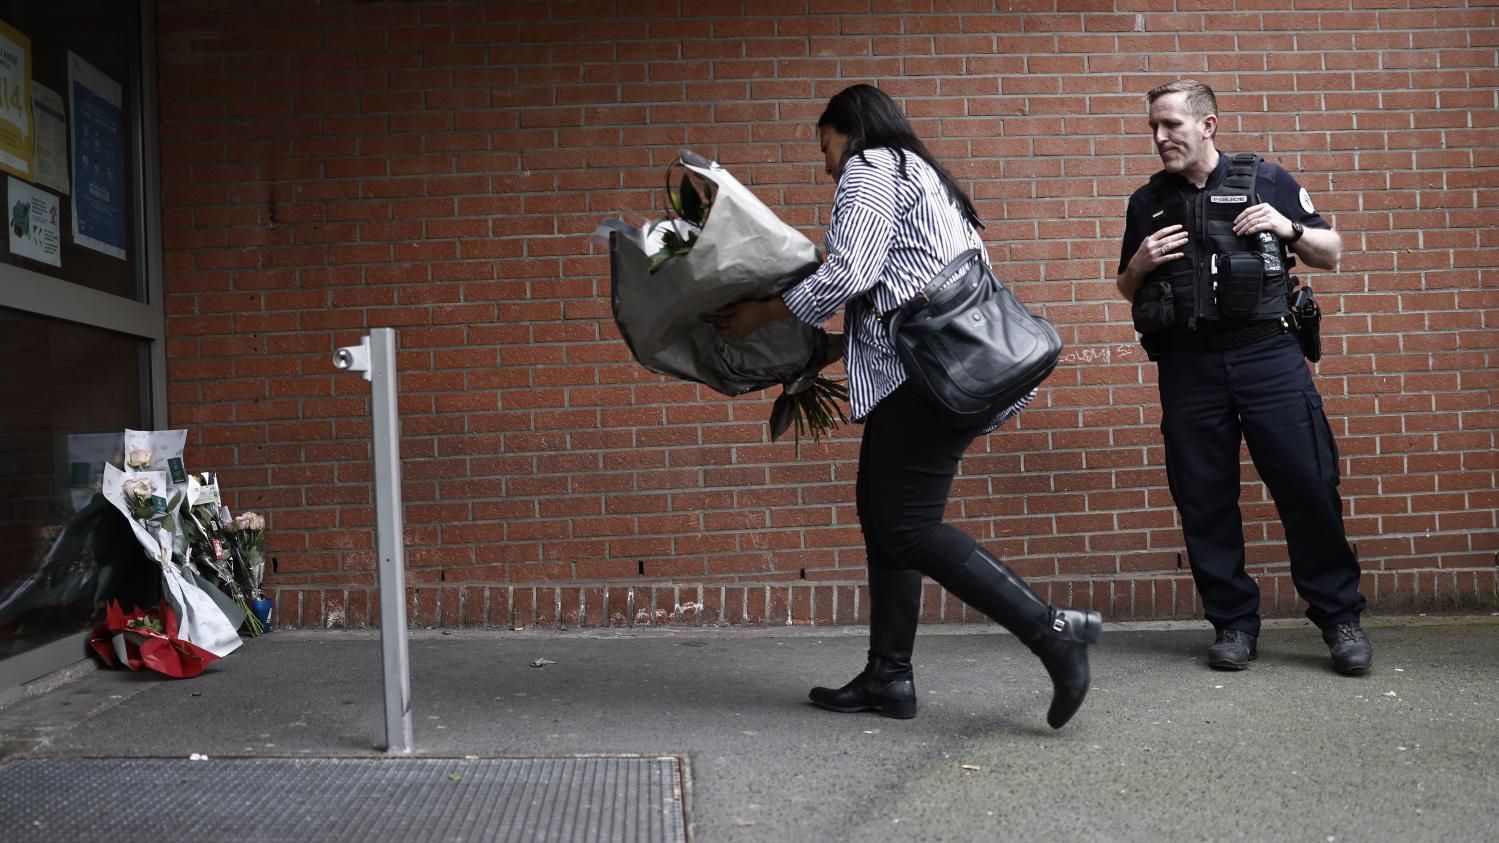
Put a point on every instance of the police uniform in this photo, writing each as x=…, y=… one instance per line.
x=1229, y=368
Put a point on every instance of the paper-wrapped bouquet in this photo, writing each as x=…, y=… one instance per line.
x=718, y=246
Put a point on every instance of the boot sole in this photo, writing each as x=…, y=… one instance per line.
x=1228, y=664
x=896, y=711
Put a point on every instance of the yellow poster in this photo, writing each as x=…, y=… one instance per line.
x=17, y=142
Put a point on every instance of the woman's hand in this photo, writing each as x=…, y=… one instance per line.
x=745, y=318
x=835, y=350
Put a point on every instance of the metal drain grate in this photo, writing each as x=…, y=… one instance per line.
x=412, y=800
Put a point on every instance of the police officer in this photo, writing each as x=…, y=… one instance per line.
x=1205, y=263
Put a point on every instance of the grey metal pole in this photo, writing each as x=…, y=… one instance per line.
x=376, y=357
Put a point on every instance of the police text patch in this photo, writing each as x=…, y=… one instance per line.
x=1229, y=200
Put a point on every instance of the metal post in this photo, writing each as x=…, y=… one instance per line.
x=376, y=358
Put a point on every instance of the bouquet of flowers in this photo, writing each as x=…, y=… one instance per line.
x=248, y=531
x=156, y=523
x=147, y=640
x=210, y=548
x=717, y=246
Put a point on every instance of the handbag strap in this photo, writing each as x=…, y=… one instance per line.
x=975, y=244
x=963, y=257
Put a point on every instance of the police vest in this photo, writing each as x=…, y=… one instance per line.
x=1220, y=277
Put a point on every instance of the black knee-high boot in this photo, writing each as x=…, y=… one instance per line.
x=1059, y=636
x=887, y=684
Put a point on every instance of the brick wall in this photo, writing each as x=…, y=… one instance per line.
x=436, y=166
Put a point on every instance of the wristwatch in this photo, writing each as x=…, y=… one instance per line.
x=1296, y=231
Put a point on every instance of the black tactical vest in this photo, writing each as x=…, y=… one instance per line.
x=1221, y=277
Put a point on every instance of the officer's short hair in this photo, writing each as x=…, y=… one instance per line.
x=1200, y=98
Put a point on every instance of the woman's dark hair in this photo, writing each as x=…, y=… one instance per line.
x=871, y=119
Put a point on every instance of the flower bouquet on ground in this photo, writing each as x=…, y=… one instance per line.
x=156, y=524
x=247, y=533
x=147, y=640
x=210, y=548
x=717, y=246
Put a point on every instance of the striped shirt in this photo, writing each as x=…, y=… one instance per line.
x=887, y=237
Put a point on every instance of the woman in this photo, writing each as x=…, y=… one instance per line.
x=898, y=218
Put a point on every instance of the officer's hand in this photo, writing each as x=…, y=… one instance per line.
x=1262, y=217
x=1159, y=248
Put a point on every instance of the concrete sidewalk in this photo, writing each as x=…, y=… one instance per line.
x=1164, y=749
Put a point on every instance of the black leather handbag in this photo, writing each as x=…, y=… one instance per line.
x=969, y=345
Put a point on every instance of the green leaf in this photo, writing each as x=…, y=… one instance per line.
x=816, y=411
x=782, y=413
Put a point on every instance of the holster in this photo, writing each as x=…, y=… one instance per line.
x=1306, y=321
x=1152, y=345
x=1153, y=310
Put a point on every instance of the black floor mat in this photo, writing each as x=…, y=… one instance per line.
x=605, y=798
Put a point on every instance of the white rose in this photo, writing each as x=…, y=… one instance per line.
x=138, y=488
x=138, y=458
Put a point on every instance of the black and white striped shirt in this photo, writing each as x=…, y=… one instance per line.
x=887, y=237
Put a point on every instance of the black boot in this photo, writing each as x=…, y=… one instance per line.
x=1060, y=637
x=887, y=684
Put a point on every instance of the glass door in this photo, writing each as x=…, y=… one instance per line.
x=82, y=326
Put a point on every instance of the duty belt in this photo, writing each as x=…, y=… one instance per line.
x=1216, y=340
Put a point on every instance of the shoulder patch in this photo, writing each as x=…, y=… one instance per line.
x=1306, y=202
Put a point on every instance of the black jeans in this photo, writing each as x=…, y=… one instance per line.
x=907, y=460
x=1261, y=394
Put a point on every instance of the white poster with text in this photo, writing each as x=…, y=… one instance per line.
x=33, y=222
x=51, y=120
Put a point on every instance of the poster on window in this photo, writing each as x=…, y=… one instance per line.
x=15, y=102
x=51, y=128
x=33, y=222
x=98, y=143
